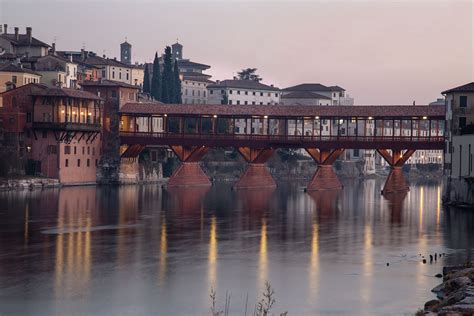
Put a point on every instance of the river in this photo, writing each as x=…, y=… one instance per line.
x=145, y=250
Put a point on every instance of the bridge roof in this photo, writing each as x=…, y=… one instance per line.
x=405, y=111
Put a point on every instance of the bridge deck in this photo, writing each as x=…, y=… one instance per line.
x=287, y=141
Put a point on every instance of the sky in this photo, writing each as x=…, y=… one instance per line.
x=381, y=52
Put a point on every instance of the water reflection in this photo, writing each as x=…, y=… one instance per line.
x=147, y=251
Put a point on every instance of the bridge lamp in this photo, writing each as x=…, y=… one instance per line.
x=316, y=117
x=214, y=116
x=265, y=116
x=424, y=117
x=371, y=118
x=90, y=114
x=74, y=112
x=62, y=112
x=82, y=113
x=165, y=115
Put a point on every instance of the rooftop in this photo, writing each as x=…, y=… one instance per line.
x=469, y=87
x=188, y=63
x=101, y=61
x=406, y=111
x=107, y=83
x=15, y=68
x=304, y=95
x=313, y=87
x=243, y=84
x=23, y=40
x=65, y=92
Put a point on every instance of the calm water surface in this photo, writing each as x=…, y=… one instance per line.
x=143, y=250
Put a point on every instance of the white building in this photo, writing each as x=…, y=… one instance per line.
x=336, y=94
x=57, y=70
x=110, y=69
x=243, y=92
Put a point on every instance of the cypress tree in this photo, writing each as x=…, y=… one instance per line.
x=177, y=84
x=167, y=86
x=146, y=80
x=156, y=80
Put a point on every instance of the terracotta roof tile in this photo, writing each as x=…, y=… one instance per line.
x=287, y=110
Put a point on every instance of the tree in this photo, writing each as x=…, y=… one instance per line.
x=177, y=84
x=146, y=80
x=249, y=74
x=167, y=86
x=156, y=80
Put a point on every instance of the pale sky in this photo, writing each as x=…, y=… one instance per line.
x=381, y=52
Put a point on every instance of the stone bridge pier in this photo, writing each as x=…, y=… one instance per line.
x=189, y=173
x=256, y=175
x=324, y=178
x=396, y=181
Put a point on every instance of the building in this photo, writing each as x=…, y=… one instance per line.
x=56, y=130
x=16, y=44
x=459, y=114
x=138, y=73
x=57, y=70
x=14, y=76
x=245, y=92
x=110, y=69
x=305, y=98
x=459, y=151
x=126, y=53
x=336, y=94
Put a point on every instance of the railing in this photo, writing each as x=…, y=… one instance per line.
x=69, y=126
x=282, y=138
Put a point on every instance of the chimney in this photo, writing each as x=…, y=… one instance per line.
x=70, y=58
x=17, y=36
x=5, y=28
x=28, y=34
x=83, y=54
x=53, y=48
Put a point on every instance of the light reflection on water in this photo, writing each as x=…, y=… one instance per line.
x=140, y=250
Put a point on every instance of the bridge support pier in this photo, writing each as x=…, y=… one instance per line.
x=189, y=173
x=256, y=175
x=324, y=178
x=396, y=181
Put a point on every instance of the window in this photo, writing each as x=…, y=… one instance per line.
x=96, y=163
x=238, y=91
x=28, y=117
x=45, y=134
x=67, y=150
x=88, y=150
x=211, y=91
x=83, y=150
x=113, y=74
x=127, y=76
x=222, y=92
x=75, y=150
x=120, y=76
x=14, y=79
x=253, y=92
x=114, y=93
x=230, y=101
x=230, y=91
x=463, y=101
x=246, y=93
x=261, y=94
x=356, y=153
x=269, y=94
x=204, y=93
x=88, y=162
x=261, y=103
x=103, y=73
x=78, y=162
x=276, y=94
x=14, y=102
x=238, y=102
x=153, y=156
x=51, y=150
x=93, y=151
x=253, y=102
x=245, y=102
x=66, y=163
x=462, y=122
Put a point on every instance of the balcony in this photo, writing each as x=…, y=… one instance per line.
x=67, y=126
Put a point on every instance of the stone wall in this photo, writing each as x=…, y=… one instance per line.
x=459, y=191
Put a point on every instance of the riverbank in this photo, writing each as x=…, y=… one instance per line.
x=455, y=294
x=27, y=183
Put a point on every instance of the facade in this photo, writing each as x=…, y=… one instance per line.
x=57, y=71
x=56, y=130
x=459, y=114
x=336, y=94
x=459, y=151
x=305, y=98
x=18, y=44
x=138, y=72
x=110, y=69
x=13, y=76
